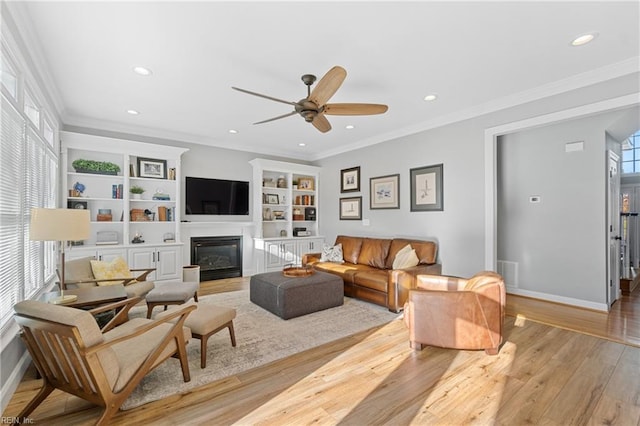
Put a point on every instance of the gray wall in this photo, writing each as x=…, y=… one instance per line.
x=559, y=244
x=460, y=228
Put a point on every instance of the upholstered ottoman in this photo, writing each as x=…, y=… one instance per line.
x=206, y=321
x=290, y=297
x=171, y=293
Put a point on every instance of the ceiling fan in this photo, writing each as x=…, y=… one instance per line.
x=314, y=107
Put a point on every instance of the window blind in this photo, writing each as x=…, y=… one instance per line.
x=11, y=231
x=28, y=179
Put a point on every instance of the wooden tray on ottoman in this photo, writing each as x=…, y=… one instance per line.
x=297, y=271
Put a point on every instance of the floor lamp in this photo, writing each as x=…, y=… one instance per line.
x=60, y=225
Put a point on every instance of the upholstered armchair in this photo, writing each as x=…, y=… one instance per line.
x=457, y=313
x=79, y=273
x=101, y=366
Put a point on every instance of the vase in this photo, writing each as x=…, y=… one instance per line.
x=136, y=196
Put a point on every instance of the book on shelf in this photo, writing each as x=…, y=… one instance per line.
x=116, y=191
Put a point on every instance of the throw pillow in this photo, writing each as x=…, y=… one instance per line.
x=117, y=268
x=405, y=258
x=332, y=254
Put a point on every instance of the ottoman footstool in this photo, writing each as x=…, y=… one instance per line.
x=171, y=293
x=290, y=297
x=206, y=321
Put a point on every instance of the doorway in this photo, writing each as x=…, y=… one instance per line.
x=613, y=219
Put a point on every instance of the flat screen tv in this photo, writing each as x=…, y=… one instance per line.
x=216, y=196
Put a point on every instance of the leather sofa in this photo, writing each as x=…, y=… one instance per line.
x=368, y=272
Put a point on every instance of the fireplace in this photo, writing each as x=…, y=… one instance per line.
x=218, y=257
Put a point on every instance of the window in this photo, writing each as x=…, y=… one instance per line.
x=631, y=154
x=8, y=77
x=28, y=178
x=31, y=109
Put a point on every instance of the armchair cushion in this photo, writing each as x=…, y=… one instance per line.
x=132, y=353
x=87, y=327
x=78, y=270
x=117, y=268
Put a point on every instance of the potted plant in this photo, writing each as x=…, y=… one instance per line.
x=136, y=192
x=95, y=167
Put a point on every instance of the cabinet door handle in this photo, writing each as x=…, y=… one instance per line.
x=158, y=257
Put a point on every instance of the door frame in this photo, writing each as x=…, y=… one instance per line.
x=613, y=227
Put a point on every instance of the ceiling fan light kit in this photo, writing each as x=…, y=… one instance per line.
x=314, y=107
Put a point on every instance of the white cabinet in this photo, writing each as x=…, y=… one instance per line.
x=98, y=253
x=115, y=211
x=279, y=253
x=285, y=199
x=273, y=255
x=308, y=245
x=165, y=260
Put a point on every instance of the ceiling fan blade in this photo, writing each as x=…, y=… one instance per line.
x=321, y=123
x=277, y=118
x=354, y=109
x=328, y=85
x=263, y=96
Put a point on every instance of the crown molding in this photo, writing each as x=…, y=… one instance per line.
x=588, y=78
x=146, y=134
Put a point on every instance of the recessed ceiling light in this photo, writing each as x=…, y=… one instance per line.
x=233, y=131
x=132, y=112
x=349, y=126
x=431, y=97
x=302, y=144
x=142, y=71
x=583, y=39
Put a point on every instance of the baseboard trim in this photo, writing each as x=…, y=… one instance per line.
x=10, y=386
x=559, y=299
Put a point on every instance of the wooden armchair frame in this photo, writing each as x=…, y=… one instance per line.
x=144, y=272
x=66, y=363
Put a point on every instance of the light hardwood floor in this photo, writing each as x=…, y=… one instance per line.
x=543, y=375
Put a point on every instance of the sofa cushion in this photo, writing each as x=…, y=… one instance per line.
x=346, y=271
x=332, y=253
x=405, y=258
x=374, y=252
x=375, y=279
x=117, y=268
x=350, y=247
x=425, y=250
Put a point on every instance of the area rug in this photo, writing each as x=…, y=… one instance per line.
x=261, y=338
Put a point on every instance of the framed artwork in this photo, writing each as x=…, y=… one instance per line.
x=426, y=188
x=271, y=199
x=305, y=183
x=150, y=168
x=384, y=192
x=350, y=179
x=351, y=208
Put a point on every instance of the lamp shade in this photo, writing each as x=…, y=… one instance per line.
x=59, y=225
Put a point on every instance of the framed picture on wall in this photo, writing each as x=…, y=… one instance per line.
x=351, y=208
x=426, y=188
x=350, y=180
x=384, y=192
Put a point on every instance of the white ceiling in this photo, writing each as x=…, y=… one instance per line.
x=477, y=56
